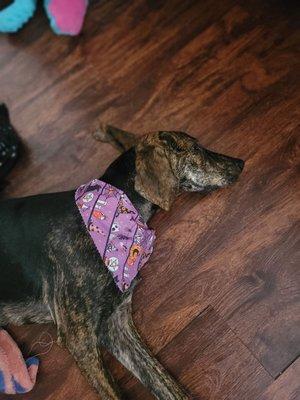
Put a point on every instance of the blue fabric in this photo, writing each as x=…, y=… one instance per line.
x=14, y=16
x=2, y=384
x=51, y=18
x=18, y=388
x=32, y=361
x=52, y=21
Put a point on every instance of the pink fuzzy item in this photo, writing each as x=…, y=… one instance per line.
x=16, y=375
x=67, y=16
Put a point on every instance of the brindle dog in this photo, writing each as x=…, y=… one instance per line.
x=51, y=271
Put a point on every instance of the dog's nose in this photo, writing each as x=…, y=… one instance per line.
x=240, y=164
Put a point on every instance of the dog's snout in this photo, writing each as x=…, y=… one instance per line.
x=233, y=168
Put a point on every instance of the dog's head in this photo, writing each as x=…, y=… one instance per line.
x=168, y=163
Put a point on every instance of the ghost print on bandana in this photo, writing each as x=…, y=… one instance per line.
x=122, y=238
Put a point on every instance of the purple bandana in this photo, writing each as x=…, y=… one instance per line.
x=122, y=238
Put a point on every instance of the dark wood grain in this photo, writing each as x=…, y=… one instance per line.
x=286, y=386
x=219, y=301
x=211, y=360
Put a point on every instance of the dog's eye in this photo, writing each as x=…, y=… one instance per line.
x=170, y=142
x=197, y=147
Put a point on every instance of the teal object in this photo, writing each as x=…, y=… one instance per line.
x=15, y=15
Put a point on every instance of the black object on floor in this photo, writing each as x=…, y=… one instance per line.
x=9, y=144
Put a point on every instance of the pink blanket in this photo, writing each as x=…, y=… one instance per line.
x=16, y=375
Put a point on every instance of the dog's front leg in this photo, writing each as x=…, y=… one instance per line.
x=123, y=341
x=89, y=359
x=76, y=333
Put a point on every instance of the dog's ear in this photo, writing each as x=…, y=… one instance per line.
x=121, y=140
x=155, y=179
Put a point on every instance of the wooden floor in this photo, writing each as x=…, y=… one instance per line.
x=219, y=301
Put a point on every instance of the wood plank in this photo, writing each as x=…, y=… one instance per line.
x=209, y=359
x=222, y=72
x=286, y=386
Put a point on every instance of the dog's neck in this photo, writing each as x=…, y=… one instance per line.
x=121, y=174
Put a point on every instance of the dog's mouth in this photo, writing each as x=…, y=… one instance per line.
x=194, y=187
